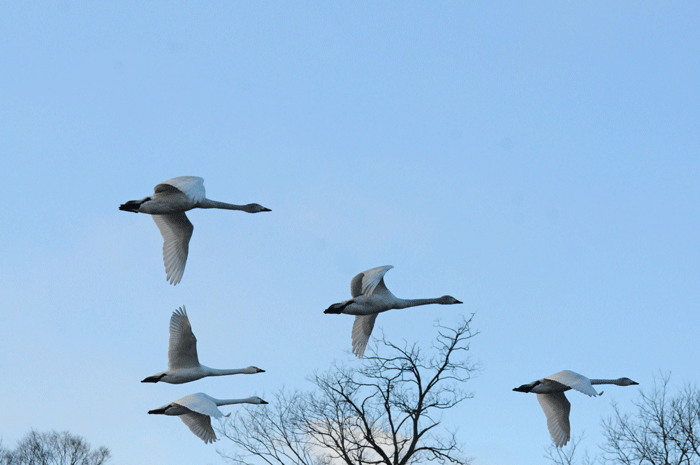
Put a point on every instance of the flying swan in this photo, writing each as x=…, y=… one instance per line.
x=168, y=204
x=197, y=409
x=183, y=363
x=371, y=297
x=550, y=394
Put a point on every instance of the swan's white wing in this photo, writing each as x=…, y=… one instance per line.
x=191, y=186
x=556, y=407
x=176, y=230
x=200, y=425
x=369, y=282
x=182, y=350
x=574, y=381
x=361, y=330
x=200, y=403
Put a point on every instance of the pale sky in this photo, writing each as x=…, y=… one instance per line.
x=538, y=161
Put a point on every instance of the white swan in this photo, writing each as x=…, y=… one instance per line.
x=550, y=394
x=371, y=297
x=197, y=409
x=183, y=363
x=168, y=204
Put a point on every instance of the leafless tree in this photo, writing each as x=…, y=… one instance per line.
x=664, y=430
x=53, y=448
x=384, y=409
x=567, y=455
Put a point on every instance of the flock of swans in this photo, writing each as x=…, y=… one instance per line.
x=370, y=297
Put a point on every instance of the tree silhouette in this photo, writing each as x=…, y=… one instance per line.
x=383, y=409
x=53, y=448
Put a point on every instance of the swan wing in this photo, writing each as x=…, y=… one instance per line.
x=200, y=425
x=574, y=381
x=191, y=186
x=370, y=281
x=361, y=330
x=182, y=350
x=200, y=403
x=556, y=408
x=176, y=230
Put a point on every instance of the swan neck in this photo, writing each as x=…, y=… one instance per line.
x=206, y=203
x=605, y=381
x=220, y=402
x=224, y=371
x=406, y=303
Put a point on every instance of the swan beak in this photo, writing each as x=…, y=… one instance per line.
x=265, y=210
x=459, y=302
x=634, y=383
x=263, y=402
x=260, y=370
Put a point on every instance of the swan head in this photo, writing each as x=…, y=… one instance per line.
x=449, y=300
x=625, y=382
x=255, y=208
x=256, y=400
x=251, y=370
x=525, y=387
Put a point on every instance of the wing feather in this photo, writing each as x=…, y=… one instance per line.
x=574, y=381
x=556, y=408
x=356, y=285
x=176, y=230
x=191, y=186
x=182, y=350
x=361, y=330
x=370, y=281
x=200, y=425
x=200, y=403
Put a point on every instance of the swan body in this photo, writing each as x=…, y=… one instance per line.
x=183, y=363
x=197, y=409
x=370, y=297
x=550, y=394
x=168, y=204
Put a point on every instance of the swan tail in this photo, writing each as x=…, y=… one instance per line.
x=336, y=309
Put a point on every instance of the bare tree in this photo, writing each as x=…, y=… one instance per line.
x=4, y=454
x=567, y=455
x=664, y=430
x=385, y=410
x=53, y=448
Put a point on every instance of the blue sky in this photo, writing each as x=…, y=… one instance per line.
x=537, y=161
